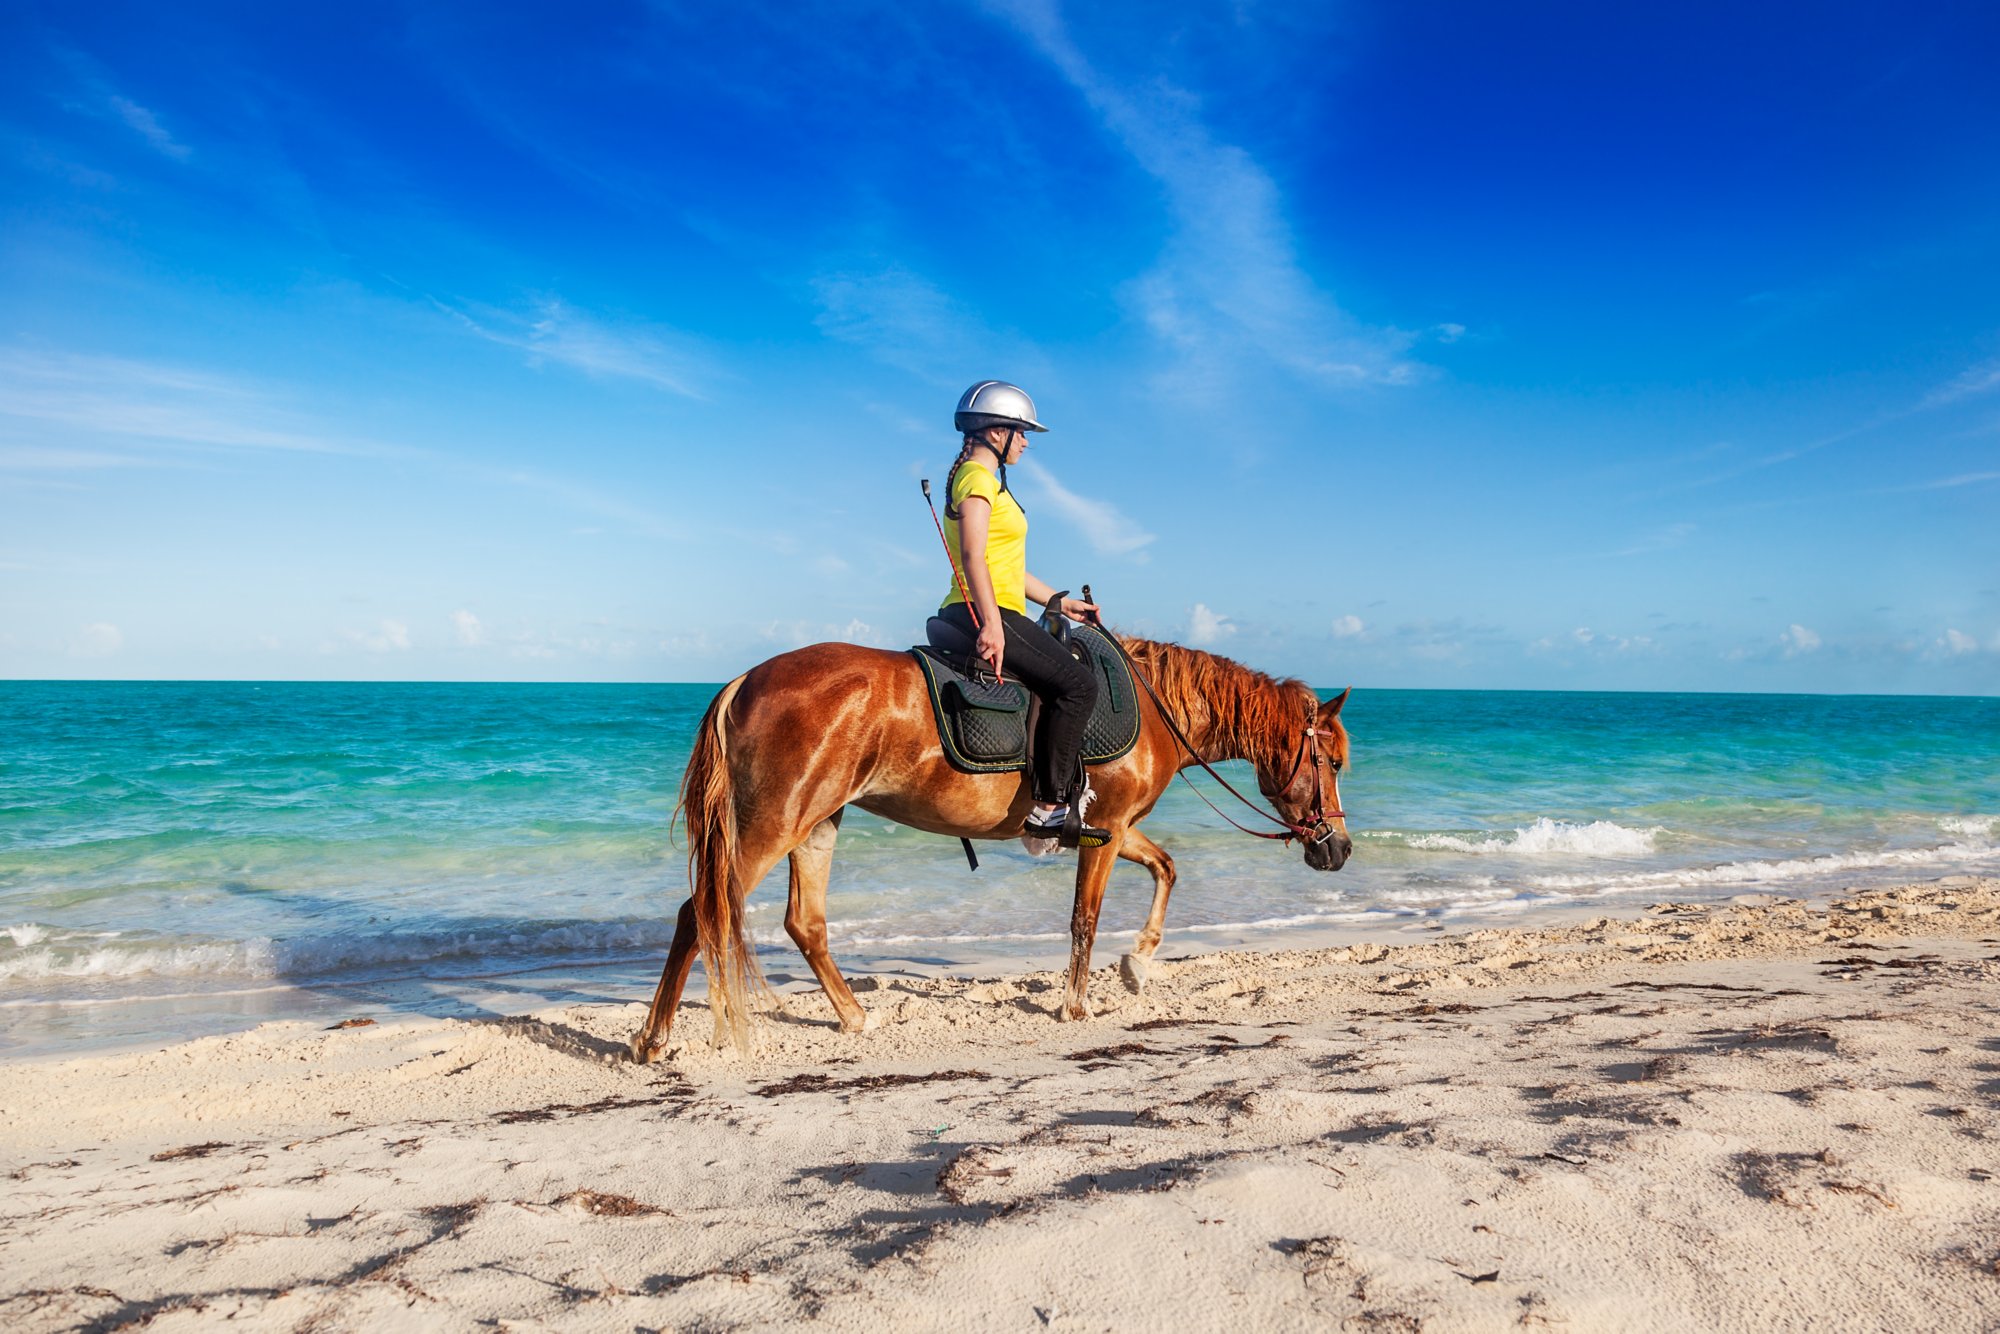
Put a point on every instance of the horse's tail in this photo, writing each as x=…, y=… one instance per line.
x=708, y=801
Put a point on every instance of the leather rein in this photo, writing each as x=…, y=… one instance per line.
x=1316, y=829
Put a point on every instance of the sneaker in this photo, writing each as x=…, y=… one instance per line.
x=1041, y=827
x=1041, y=847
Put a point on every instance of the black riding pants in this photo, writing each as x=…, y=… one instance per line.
x=1067, y=689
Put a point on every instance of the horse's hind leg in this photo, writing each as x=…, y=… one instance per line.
x=805, y=919
x=1136, y=847
x=651, y=1038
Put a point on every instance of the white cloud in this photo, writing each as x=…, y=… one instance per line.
x=555, y=331
x=1207, y=627
x=1798, y=639
x=858, y=631
x=468, y=629
x=1447, y=333
x=1600, y=643
x=149, y=128
x=387, y=637
x=1957, y=642
x=1102, y=524
x=99, y=639
x=1230, y=277
x=1348, y=627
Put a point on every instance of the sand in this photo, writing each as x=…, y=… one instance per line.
x=1761, y=1115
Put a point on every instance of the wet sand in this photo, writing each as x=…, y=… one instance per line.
x=1751, y=1116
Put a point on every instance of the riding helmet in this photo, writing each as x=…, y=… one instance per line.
x=995, y=403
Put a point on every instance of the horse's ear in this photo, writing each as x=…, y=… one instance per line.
x=1331, y=709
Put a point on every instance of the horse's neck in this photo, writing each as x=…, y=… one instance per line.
x=1221, y=727
x=1216, y=741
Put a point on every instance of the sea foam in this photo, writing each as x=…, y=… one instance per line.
x=1546, y=837
x=1974, y=848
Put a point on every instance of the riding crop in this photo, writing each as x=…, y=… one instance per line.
x=956, y=576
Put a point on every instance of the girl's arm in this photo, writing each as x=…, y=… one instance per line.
x=974, y=513
x=1039, y=594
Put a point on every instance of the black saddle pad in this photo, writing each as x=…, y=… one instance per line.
x=984, y=724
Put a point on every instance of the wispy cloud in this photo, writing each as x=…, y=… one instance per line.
x=120, y=397
x=466, y=627
x=589, y=499
x=556, y=332
x=1660, y=539
x=1946, y=483
x=1969, y=383
x=148, y=127
x=1103, y=525
x=1972, y=382
x=1230, y=279
x=1349, y=627
x=36, y=458
x=906, y=321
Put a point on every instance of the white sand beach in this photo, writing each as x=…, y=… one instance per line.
x=1753, y=1116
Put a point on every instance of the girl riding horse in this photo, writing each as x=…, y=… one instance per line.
x=986, y=532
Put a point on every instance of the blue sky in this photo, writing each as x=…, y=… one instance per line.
x=1404, y=345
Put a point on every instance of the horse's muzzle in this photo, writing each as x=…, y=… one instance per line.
x=1329, y=851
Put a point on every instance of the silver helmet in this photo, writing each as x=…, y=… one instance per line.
x=995, y=403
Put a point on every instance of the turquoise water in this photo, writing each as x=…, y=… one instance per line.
x=182, y=841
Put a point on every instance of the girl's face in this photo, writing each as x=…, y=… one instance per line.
x=1014, y=448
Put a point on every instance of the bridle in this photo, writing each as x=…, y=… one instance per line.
x=1315, y=829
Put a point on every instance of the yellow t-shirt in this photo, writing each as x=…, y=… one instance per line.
x=1006, y=537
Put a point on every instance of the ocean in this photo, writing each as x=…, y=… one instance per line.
x=187, y=857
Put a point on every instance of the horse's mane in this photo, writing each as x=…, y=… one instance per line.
x=1247, y=712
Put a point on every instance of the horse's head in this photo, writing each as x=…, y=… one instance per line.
x=1305, y=788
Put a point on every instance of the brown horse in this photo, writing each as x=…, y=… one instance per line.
x=787, y=746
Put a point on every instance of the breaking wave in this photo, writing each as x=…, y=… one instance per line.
x=1545, y=837
x=42, y=953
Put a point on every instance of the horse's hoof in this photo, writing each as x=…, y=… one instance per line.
x=1073, y=1014
x=644, y=1052
x=1134, y=969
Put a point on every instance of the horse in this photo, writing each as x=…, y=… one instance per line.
x=785, y=748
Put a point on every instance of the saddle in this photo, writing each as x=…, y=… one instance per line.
x=986, y=726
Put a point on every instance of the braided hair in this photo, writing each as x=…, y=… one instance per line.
x=977, y=440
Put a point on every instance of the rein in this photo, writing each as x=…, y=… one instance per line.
x=1317, y=831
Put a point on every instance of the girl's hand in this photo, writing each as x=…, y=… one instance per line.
x=1079, y=610
x=992, y=642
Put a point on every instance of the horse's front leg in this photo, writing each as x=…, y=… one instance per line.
x=1136, y=847
x=1093, y=873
